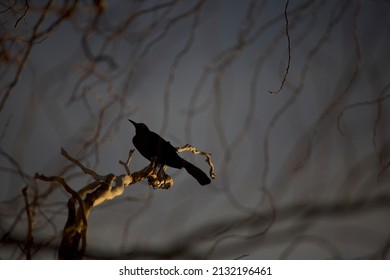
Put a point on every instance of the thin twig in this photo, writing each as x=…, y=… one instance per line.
x=24, y=13
x=86, y=170
x=193, y=150
x=289, y=52
x=127, y=163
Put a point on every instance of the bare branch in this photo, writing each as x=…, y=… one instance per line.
x=103, y=188
x=193, y=150
x=86, y=170
x=127, y=163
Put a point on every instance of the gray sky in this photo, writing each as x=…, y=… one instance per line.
x=202, y=76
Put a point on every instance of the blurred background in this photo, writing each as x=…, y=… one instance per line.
x=291, y=98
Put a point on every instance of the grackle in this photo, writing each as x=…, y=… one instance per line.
x=151, y=145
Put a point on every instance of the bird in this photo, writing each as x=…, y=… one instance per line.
x=151, y=145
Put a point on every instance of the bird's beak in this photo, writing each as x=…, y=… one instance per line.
x=134, y=123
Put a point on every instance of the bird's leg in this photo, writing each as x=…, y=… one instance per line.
x=153, y=162
x=161, y=171
x=164, y=177
x=152, y=177
x=158, y=178
x=161, y=174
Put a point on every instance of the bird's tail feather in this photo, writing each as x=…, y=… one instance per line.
x=197, y=173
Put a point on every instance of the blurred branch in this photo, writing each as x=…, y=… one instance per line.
x=30, y=220
x=38, y=32
x=236, y=244
x=379, y=100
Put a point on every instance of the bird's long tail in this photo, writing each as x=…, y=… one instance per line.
x=197, y=173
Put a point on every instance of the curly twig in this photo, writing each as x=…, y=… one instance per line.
x=193, y=150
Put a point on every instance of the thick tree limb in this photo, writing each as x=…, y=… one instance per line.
x=103, y=188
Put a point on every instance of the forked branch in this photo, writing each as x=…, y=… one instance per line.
x=103, y=188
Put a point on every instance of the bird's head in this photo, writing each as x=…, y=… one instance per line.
x=139, y=127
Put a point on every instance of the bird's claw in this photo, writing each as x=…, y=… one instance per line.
x=160, y=180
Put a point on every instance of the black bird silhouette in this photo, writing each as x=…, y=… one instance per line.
x=151, y=145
